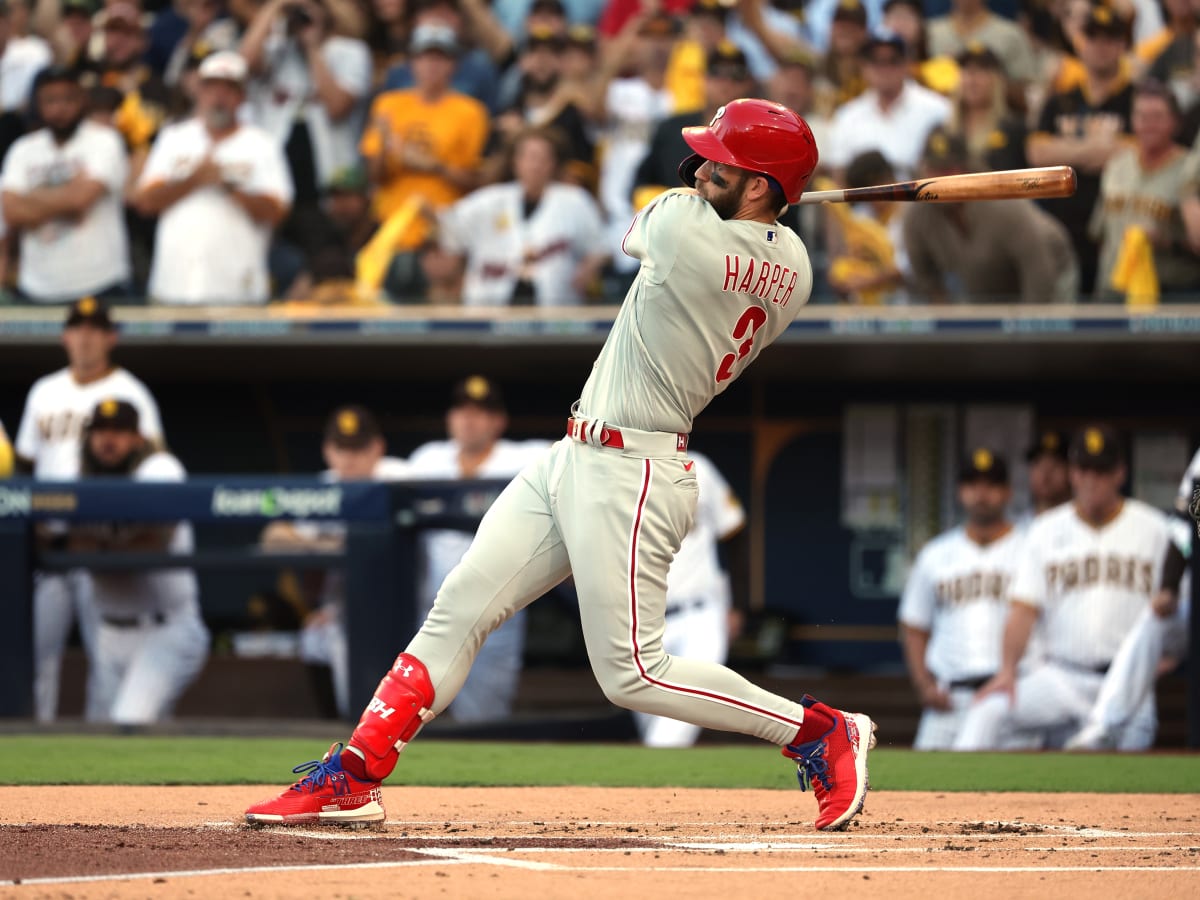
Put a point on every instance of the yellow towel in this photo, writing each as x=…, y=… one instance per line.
x=1134, y=271
x=371, y=264
x=6, y=458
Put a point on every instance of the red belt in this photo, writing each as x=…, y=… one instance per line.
x=611, y=437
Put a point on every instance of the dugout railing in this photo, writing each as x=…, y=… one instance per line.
x=379, y=559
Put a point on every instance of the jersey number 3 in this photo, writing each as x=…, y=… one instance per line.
x=754, y=318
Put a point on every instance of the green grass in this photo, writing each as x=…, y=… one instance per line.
x=98, y=759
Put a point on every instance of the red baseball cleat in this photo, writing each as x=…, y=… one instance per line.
x=326, y=794
x=835, y=765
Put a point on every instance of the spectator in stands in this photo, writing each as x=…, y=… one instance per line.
x=208, y=31
x=894, y=116
x=389, y=36
x=354, y=449
x=1049, y=485
x=120, y=67
x=727, y=78
x=476, y=73
x=475, y=448
x=72, y=33
x=993, y=131
x=63, y=187
x=21, y=58
x=219, y=188
x=821, y=20
x=1083, y=127
x=840, y=76
x=541, y=101
x=423, y=148
x=151, y=643
x=866, y=242
x=633, y=105
x=1170, y=56
x=905, y=19
x=334, y=235
x=1004, y=251
x=532, y=240
x=309, y=89
x=970, y=21
x=1141, y=191
x=6, y=454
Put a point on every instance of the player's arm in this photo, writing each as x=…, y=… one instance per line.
x=264, y=208
x=1022, y=616
x=155, y=195
x=1087, y=153
x=915, y=643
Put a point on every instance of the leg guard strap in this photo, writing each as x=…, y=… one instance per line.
x=400, y=707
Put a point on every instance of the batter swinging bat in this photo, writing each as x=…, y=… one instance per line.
x=1049, y=181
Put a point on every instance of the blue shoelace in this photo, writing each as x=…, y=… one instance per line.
x=811, y=764
x=316, y=772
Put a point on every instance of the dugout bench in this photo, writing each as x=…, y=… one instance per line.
x=379, y=559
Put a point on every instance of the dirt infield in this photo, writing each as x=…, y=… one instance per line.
x=584, y=843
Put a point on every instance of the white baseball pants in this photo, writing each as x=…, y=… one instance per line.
x=60, y=599
x=614, y=518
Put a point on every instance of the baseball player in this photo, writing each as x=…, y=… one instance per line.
x=1156, y=643
x=719, y=280
x=355, y=450
x=1049, y=485
x=49, y=442
x=1088, y=570
x=475, y=422
x=955, y=601
x=151, y=642
x=6, y=454
x=699, y=596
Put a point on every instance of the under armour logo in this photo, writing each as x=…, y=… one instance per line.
x=404, y=671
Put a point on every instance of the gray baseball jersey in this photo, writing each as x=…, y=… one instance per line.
x=709, y=295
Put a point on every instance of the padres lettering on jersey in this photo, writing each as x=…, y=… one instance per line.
x=958, y=592
x=678, y=342
x=1091, y=583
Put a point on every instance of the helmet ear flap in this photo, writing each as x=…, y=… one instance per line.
x=689, y=167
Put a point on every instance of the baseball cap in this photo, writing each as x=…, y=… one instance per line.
x=979, y=54
x=548, y=8
x=912, y=4
x=880, y=42
x=83, y=7
x=89, y=311
x=352, y=427
x=717, y=8
x=1096, y=447
x=1104, y=21
x=582, y=35
x=116, y=415
x=225, y=65
x=478, y=391
x=125, y=15
x=659, y=25
x=850, y=11
x=727, y=60
x=944, y=148
x=350, y=179
x=1049, y=441
x=55, y=74
x=439, y=38
x=543, y=36
x=981, y=464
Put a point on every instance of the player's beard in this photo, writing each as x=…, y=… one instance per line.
x=728, y=202
x=63, y=133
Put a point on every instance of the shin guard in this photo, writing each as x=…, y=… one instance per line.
x=400, y=707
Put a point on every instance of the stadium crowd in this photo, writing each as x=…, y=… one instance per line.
x=442, y=151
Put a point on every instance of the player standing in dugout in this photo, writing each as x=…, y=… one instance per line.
x=719, y=280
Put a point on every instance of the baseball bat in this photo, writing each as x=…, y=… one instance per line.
x=1048, y=181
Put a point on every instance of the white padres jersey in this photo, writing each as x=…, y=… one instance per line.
x=442, y=549
x=958, y=591
x=57, y=408
x=696, y=569
x=66, y=258
x=503, y=247
x=164, y=591
x=734, y=287
x=1089, y=583
x=207, y=249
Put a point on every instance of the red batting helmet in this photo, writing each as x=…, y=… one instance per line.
x=759, y=136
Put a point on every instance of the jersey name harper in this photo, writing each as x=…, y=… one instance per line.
x=772, y=282
x=1115, y=570
x=977, y=585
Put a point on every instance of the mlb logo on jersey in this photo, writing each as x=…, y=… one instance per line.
x=772, y=236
